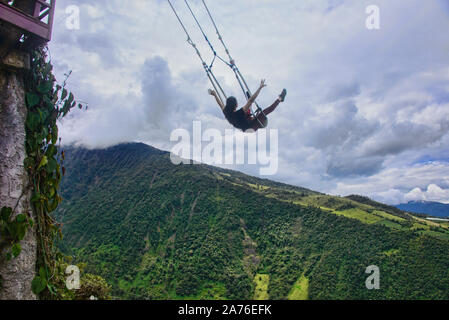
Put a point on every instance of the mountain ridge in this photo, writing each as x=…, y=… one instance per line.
x=431, y=208
x=159, y=231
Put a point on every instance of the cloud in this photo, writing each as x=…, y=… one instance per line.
x=433, y=193
x=162, y=107
x=399, y=185
x=159, y=93
x=398, y=137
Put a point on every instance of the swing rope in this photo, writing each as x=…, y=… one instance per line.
x=206, y=38
x=208, y=68
x=242, y=82
x=209, y=72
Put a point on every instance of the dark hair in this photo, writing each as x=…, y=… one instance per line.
x=231, y=104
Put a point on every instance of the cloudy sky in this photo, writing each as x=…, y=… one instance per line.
x=367, y=110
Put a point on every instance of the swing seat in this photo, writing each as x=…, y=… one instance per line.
x=261, y=118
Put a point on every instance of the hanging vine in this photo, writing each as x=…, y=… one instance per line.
x=12, y=231
x=47, y=102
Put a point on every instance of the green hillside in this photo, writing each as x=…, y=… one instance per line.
x=158, y=231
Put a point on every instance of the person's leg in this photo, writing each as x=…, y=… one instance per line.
x=261, y=120
x=271, y=108
x=281, y=98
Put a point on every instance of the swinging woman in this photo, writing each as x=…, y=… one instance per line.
x=243, y=119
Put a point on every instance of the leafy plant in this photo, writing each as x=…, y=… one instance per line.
x=47, y=102
x=12, y=231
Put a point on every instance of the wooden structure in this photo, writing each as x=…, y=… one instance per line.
x=29, y=20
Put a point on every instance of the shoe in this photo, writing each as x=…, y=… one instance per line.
x=282, y=95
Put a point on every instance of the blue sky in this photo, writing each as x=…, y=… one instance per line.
x=367, y=110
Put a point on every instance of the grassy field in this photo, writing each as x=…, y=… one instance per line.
x=431, y=223
x=388, y=216
x=436, y=234
x=262, y=281
x=258, y=187
x=300, y=290
x=360, y=215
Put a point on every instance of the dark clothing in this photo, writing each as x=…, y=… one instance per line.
x=245, y=121
x=240, y=120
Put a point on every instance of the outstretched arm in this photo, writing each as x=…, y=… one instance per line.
x=220, y=103
x=254, y=97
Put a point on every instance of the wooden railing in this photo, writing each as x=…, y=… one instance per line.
x=32, y=16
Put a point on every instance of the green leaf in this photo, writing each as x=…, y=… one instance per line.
x=6, y=213
x=21, y=218
x=52, y=192
x=45, y=87
x=21, y=231
x=64, y=94
x=43, y=162
x=51, y=151
x=43, y=274
x=51, y=165
x=65, y=108
x=54, y=134
x=53, y=204
x=38, y=285
x=44, y=116
x=33, y=120
x=32, y=99
x=36, y=197
x=16, y=249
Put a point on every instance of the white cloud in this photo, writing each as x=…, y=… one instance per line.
x=433, y=193
x=423, y=181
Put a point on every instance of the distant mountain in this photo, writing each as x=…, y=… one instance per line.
x=154, y=230
x=435, y=209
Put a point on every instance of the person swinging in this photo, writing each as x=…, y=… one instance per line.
x=243, y=119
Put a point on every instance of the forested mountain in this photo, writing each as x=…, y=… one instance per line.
x=426, y=207
x=159, y=231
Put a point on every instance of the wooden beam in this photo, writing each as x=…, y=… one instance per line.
x=25, y=22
